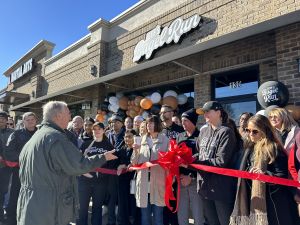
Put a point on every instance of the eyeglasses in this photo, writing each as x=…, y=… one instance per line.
x=10, y=124
x=254, y=132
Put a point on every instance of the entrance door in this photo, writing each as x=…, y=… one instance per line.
x=237, y=91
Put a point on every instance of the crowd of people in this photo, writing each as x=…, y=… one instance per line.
x=52, y=171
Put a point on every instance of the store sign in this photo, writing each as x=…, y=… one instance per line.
x=22, y=70
x=158, y=37
x=235, y=84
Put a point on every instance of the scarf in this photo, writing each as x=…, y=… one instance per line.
x=253, y=210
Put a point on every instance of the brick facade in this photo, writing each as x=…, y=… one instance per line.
x=275, y=52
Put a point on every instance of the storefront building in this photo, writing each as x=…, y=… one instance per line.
x=207, y=49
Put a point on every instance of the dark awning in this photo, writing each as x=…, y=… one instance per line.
x=11, y=97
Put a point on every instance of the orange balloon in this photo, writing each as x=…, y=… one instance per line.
x=99, y=118
x=123, y=103
x=136, y=108
x=170, y=101
x=132, y=113
x=146, y=103
x=138, y=100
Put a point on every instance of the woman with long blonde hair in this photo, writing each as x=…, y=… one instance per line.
x=258, y=202
x=285, y=125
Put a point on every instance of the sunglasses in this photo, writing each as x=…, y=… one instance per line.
x=10, y=124
x=254, y=132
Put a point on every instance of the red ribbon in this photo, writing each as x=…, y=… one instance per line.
x=247, y=175
x=9, y=163
x=170, y=161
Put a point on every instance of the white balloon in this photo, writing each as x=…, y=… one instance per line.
x=170, y=93
x=182, y=99
x=113, y=100
x=155, y=97
x=109, y=107
x=119, y=95
x=261, y=112
x=115, y=108
x=145, y=114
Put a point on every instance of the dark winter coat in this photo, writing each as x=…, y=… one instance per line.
x=216, y=148
x=49, y=164
x=281, y=208
x=16, y=142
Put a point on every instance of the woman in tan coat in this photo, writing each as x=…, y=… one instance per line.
x=150, y=183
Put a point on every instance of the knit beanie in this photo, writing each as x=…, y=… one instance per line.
x=191, y=115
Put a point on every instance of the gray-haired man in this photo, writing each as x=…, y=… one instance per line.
x=49, y=164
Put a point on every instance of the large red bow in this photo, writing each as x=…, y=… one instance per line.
x=170, y=161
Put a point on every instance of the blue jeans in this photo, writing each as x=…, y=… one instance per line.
x=147, y=212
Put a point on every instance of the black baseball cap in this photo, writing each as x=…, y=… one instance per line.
x=116, y=117
x=211, y=105
x=4, y=114
x=99, y=124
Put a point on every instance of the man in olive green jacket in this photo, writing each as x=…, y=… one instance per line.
x=49, y=164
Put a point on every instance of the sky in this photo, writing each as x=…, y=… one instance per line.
x=23, y=23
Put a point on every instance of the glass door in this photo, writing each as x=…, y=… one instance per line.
x=236, y=91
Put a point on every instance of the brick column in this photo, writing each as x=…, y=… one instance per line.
x=288, y=51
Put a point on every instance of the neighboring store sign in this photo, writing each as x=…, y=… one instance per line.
x=22, y=70
x=158, y=37
x=86, y=105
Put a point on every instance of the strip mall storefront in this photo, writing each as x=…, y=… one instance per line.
x=206, y=50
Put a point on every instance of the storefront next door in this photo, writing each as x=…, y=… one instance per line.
x=236, y=90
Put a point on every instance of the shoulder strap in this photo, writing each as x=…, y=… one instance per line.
x=88, y=148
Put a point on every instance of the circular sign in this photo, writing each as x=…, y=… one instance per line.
x=272, y=93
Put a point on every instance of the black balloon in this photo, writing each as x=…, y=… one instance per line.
x=155, y=109
x=104, y=106
x=122, y=113
x=272, y=93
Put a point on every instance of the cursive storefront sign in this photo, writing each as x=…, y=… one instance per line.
x=25, y=68
x=158, y=37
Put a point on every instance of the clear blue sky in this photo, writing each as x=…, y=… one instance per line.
x=23, y=23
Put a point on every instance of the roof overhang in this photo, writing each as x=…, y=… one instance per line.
x=10, y=97
x=225, y=39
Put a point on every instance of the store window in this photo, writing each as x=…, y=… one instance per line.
x=237, y=90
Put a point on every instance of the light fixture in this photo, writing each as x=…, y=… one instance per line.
x=93, y=70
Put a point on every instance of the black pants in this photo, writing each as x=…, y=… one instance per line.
x=13, y=198
x=123, y=200
x=5, y=173
x=96, y=191
x=112, y=198
x=216, y=212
